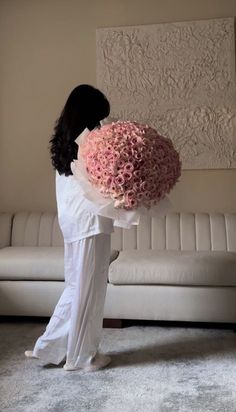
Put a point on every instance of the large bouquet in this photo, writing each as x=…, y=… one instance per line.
x=128, y=164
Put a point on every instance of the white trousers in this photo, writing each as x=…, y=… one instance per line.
x=75, y=327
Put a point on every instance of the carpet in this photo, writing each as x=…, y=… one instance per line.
x=153, y=368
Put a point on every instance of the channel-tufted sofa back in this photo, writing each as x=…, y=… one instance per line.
x=176, y=231
x=180, y=231
x=36, y=229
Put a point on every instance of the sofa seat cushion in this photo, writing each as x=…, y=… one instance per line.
x=212, y=268
x=32, y=262
x=35, y=262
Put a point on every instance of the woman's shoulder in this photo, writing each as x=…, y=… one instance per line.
x=65, y=181
x=72, y=184
x=63, y=175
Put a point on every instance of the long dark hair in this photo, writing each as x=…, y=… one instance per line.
x=85, y=107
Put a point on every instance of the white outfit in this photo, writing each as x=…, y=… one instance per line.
x=74, y=330
x=87, y=221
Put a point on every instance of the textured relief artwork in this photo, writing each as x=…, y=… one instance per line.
x=178, y=78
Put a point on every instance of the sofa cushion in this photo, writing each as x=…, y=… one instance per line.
x=213, y=268
x=35, y=262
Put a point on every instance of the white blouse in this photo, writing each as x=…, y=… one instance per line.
x=74, y=215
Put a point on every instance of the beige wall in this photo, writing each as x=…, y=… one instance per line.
x=47, y=48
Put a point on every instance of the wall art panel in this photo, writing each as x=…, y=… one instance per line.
x=178, y=78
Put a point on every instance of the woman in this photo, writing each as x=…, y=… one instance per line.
x=74, y=331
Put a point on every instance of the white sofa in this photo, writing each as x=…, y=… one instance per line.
x=179, y=268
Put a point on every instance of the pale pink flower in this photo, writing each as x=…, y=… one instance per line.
x=127, y=175
x=128, y=167
x=120, y=179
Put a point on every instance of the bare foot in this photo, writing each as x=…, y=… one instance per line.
x=98, y=362
x=29, y=354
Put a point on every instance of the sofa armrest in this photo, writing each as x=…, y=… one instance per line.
x=114, y=255
x=5, y=229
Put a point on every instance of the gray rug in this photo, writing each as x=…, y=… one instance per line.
x=154, y=368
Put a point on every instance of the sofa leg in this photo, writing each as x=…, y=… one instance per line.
x=112, y=323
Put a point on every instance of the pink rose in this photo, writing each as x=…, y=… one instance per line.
x=120, y=179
